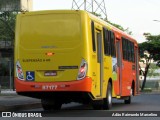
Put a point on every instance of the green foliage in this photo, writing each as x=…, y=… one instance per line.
x=96, y=14
x=114, y=24
x=152, y=47
x=120, y=27
x=152, y=69
x=7, y=25
x=147, y=90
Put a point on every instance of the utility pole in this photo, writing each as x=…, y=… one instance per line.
x=93, y=6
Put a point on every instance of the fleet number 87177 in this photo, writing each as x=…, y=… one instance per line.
x=49, y=87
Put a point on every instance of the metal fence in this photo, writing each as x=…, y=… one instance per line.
x=6, y=73
x=152, y=83
x=7, y=81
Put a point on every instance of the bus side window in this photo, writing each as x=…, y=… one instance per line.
x=133, y=56
x=113, y=53
x=93, y=37
x=107, y=41
x=128, y=50
x=124, y=48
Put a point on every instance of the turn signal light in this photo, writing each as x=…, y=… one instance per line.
x=19, y=71
x=82, y=70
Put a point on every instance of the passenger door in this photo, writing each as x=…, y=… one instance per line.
x=119, y=65
x=99, y=81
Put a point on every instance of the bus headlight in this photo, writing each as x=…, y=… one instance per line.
x=19, y=71
x=82, y=70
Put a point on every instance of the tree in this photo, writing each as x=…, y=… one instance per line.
x=114, y=24
x=149, y=51
x=152, y=70
x=7, y=26
x=120, y=27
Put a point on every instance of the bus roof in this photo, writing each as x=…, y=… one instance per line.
x=93, y=17
x=122, y=33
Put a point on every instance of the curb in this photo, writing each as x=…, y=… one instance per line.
x=18, y=106
x=151, y=93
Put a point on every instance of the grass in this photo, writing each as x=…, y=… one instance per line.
x=147, y=90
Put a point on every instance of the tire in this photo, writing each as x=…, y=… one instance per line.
x=97, y=105
x=48, y=104
x=128, y=99
x=107, y=102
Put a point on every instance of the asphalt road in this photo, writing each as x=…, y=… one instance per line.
x=143, y=102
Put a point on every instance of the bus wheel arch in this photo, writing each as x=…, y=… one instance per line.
x=132, y=93
x=133, y=87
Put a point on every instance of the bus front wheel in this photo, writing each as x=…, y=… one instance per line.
x=107, y=102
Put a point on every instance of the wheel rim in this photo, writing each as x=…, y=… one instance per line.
x=109, y=96
x=108, y=100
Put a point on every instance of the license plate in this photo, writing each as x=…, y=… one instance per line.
x=49, y=87
x=50, y=73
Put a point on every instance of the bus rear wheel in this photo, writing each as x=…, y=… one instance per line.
x=128, y=99
x=50, y=104
x=107, y=102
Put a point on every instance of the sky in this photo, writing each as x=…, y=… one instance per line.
x=137, y=15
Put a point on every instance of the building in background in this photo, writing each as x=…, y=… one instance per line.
x=7, y=43
x=16, y=5
x=26, y=5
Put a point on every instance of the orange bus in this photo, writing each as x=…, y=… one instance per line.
x=65, y=56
